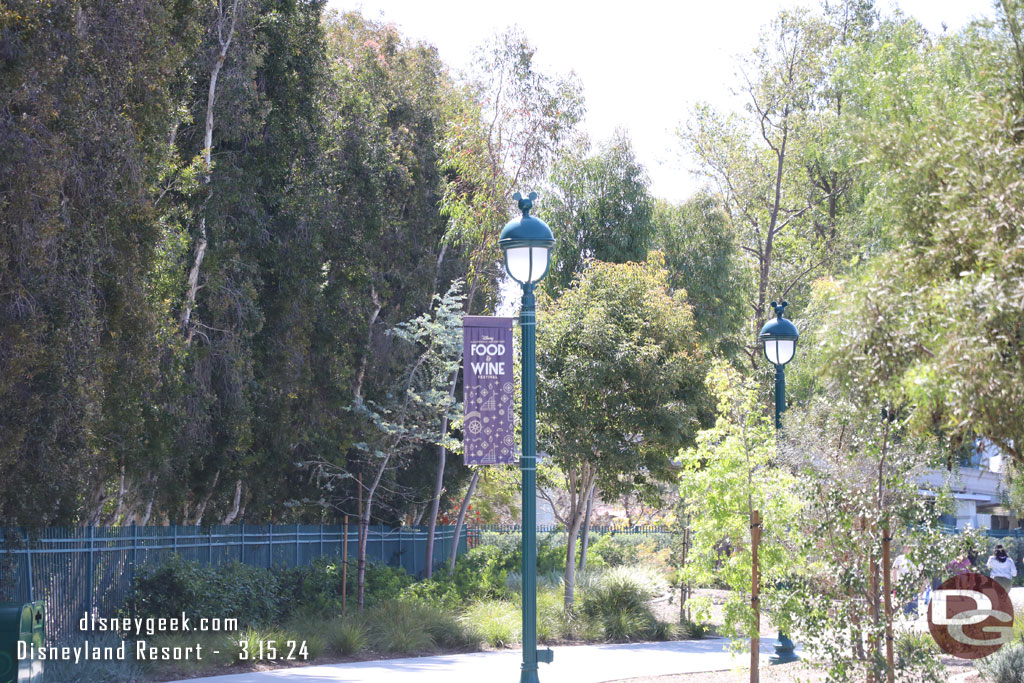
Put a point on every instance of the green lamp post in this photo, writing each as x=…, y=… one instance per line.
x=778, y=341
x=526, y=242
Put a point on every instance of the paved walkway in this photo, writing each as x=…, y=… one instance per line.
x=578, y=664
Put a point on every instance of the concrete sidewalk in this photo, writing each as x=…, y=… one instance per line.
x=578, y=664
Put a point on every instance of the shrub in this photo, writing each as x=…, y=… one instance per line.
x=439, y=591
x=551, y=621
x=619, y=603
x=381, y=583
x=94, y=671
x=399, y=626
x=692, y=630
x=346, y=636
x=1006, y=665
x=250, y=594
x=646, y=581
x=914, y=649
x=314, y=589
x=496, y=622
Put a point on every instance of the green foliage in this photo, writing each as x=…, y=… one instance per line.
x=1006, y=665
x=619, y=604
x=602, y=208
x=733, y=471
x=702, y=256
x=259, y=597
x=395, y=627
x=497, y=622
x=249, y=594
x=616, y=358
x=346, y=636
x=934, y=322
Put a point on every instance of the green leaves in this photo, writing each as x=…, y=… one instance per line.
x=619, y=374
x=732, y=471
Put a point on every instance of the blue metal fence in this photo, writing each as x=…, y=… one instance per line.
x=476, y=532
x=91, y=569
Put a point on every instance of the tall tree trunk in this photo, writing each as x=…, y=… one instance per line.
x=201, y=508
x=377, y=305
x=586, y=527
x=211, y=97
x=230, y=517
x=579, y=486
x=443, y=452
x=435, y=504
x=454, y=552
x=364, y=528
x=755, y=597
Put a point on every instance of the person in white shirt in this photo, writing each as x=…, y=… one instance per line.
x=1002, y=568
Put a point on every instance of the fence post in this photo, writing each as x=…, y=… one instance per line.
x=380, y=538
x=209, y=547
x=321, y=540
x=270, y=545
x=296, y=545
x=135, y=549
x=242, y=551
x=28, y=567
x=91, y=591
x=174, y=541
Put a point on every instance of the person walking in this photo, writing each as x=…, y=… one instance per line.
x=1002, y=568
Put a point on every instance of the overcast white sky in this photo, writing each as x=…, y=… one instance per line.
x=643, y=64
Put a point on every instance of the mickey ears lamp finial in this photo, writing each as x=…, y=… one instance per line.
x=525, y=204
x=779, y=308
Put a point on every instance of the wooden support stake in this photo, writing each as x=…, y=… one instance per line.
x=755, y=597
x=890, y=672
x=344, y=569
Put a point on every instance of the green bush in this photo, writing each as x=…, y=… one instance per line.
x=618, y=602
x=914, y=649
x=346, y=636
x=94, y=671
x=497, y=622
x=403, y=627
x=692, y=630
x=395, y=627
x=250, y=594
x=439, y=591
x=259, y=597
x=1006, y=665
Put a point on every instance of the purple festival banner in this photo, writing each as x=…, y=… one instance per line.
x=488, y=433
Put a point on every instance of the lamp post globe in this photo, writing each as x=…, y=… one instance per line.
x=526, y=242
x=778, y=342
x=778, y=337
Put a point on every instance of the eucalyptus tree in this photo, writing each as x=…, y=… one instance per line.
x=602, y=207
x=620, y=385
x=937, y=318
x=779, y=165
x=702, y=256
x=507, y=124
x=85, y=108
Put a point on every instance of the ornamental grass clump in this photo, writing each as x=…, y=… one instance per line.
x=618, y=602
x=346, y=636
x=496, y=622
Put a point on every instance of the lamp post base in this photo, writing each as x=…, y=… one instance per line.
x=529, y=675
x=784, y=651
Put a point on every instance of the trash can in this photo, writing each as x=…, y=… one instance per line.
x=22, y=622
